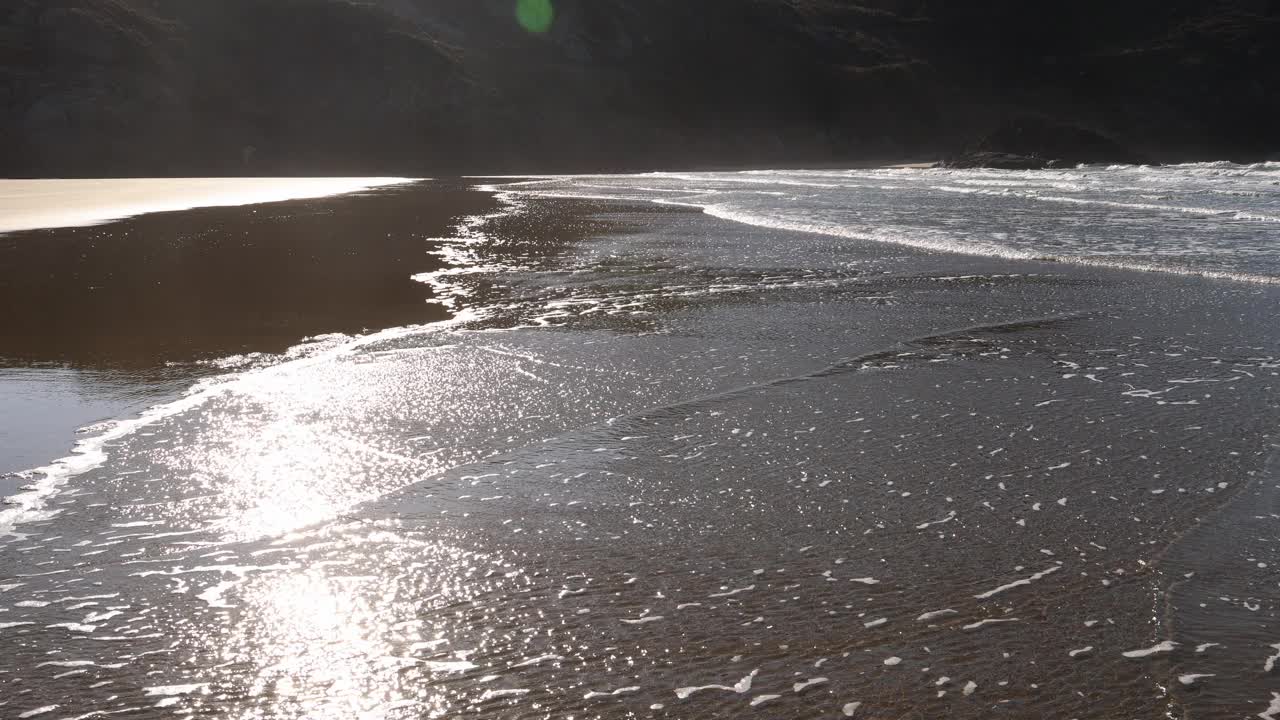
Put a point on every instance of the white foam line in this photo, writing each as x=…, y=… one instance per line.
x=1019, y=583
x=1273, y=710
x=741, y=687
x=611, y=693
x=79, y=663
x=988, y=621
x=538, y=660
x=513, y=692
x=449, y=666
x=178, y=689
x=643, y=620
x=756, y=181
x=806, y=684
x=1025, y=195
x=977, y=250
x=1270, y=664
x=944, y=246
x=1151, y=268
x=90, y=453
x=1164, y=647
x=950, y=516
x=730, y=593
x=935, y=614
x=1237, y=214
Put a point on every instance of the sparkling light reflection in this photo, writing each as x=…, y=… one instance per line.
x=321, y=646
x=293, y=447
x=351, y=634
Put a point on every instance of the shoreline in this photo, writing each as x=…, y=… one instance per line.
x=670, y=415
x=453, y=175
x=206, y=283
x=60, y=203
x=177, y=376
x=116, y=317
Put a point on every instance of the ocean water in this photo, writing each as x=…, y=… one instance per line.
x=1203, y=218
x=892, y=443
x=106, y=315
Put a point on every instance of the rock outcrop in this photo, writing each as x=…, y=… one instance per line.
x=1032, y=142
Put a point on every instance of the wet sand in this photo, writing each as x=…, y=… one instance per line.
x=108, y=319
x=679, y=467
x=206, y=283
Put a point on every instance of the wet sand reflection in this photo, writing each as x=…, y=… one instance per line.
x=99, y=322
x=175, y=287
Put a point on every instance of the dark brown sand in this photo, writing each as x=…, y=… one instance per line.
x=205, y=283
x=102, y=321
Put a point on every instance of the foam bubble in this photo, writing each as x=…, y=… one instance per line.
x=1019, y=583
x=1163, y=647
x=741, y=687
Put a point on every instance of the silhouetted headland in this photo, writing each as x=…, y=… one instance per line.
x=333, y=87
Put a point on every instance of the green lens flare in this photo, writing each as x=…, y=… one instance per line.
x=535, y=16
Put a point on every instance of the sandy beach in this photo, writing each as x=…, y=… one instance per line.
x=109, y=319
x=639, y=360
x=664, y=464
x=62, y=203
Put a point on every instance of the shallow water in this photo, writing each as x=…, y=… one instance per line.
x=665, y=465
x=1215, y=219
x=104, y=321
x=42, y=405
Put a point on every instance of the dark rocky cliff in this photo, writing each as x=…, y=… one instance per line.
x=109, y=87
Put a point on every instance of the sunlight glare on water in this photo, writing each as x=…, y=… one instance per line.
x=295, y=445
x=672, y=466
x=352, y=635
